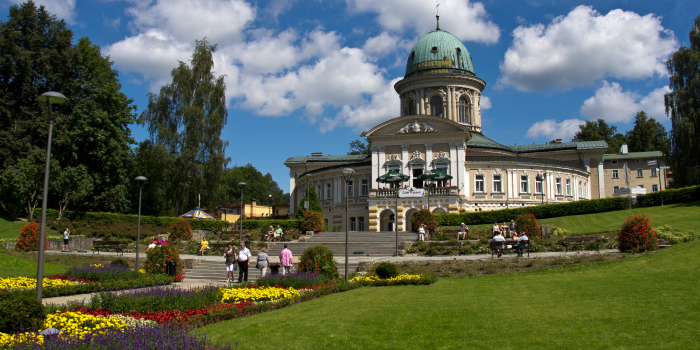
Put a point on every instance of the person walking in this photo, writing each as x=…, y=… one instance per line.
x=66, y=237
x=263, y=260
x=421, y=233
x=286, y=260
x=230, y=256
x=243, y=263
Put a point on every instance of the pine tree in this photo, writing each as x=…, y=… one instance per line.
x=314, y=203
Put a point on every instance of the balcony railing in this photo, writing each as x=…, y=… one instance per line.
x=432, y=191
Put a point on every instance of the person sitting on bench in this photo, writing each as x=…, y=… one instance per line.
x=523, y=241
x=499, y=238
x=205, y=245
x=463, y=230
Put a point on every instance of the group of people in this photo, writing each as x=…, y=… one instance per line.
x=241, y=261
x=273, y=234
x=421, y=232
x=520, y=242
x=157, y=241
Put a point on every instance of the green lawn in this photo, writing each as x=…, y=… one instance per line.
x=647, y=302
x=12, y=266
x=10, y=229
x=682, y=217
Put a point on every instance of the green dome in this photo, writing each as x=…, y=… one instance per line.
x=439, y=52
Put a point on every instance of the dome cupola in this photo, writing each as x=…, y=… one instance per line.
x=439, y=52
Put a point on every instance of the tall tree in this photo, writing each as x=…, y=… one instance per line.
x=600, y=131
x=92, y=130
x=187, y=117
x=258, y=186
x=358, y=147
x=683, y=106
x=647, y=135
x=314, y=203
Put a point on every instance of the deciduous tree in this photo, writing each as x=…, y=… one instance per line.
x=600, y=131
x=647, y=135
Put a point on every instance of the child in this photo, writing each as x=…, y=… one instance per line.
x=66, y=237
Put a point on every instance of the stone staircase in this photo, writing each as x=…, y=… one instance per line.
x=361, y=244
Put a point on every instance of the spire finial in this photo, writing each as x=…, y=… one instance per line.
x=437, y=13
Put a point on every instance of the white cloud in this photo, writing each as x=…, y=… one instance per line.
x=277, y=7
x=467, y=21
x=63, y=9
x=381, y=106
x=584, y=46
x=220, y=21
x=552, y=130
x=385, y=44
x=485, y=103
x=614, y=105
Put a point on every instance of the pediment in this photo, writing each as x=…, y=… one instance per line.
x=415, y=125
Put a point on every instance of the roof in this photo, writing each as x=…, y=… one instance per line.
x=480, y=141
x=326, y=159
x=439, y=52
x=359, y=164
x=526, y=160
x=633, y=155
x=548, y=147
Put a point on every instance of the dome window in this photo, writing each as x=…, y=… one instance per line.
x=436, y=106
x=463, y=110
x=434, y=49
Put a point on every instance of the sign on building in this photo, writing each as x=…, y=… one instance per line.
x=411, y=192
x=639, y=190
x=651, y=162
x=622, y=191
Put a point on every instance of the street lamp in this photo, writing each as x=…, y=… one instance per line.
x=240, y=235
x=347, y=175
x=55, y=98
x=270, y=203
x=140, y=179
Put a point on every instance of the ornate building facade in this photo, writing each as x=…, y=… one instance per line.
x=439, y=128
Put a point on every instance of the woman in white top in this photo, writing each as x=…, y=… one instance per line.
x=421, y=233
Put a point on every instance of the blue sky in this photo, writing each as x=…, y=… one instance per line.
x=309, y=76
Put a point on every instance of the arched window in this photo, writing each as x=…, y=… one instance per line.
x=411, y=107
x=463, y=107
x=436, y=106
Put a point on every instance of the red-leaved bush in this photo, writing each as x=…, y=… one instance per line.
x=156, y=258
x=28, y=239
x=180, y=230
x=528, y=223
x=169, y=316
x=637, y=235
x=313, y=221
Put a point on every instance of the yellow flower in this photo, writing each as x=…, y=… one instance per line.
x=257, y=294
x=374, y=279
x=78, y=324
x=30, y=283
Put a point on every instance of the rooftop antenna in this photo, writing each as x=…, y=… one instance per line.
x=437, y=15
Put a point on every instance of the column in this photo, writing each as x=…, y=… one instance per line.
x=453, y=105
x=550, y=184
x=382, y=159
x=292, y=187
x=574, y=185
x=428, y=155
x=466, y=182
x=404, y=157
x=462, y=179
x=336, y=189
x=421, y=105
x=375, y=167
x=448, y=99
x=601, y=180
x=453, y=163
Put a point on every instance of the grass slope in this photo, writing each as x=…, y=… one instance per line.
x=10, y=229
x=634, y=303
x=12, y=266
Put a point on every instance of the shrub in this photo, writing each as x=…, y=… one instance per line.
x=386, y=270
x=102, y=274
x=558, y=231
x=679, y=195
x=528, y=223
x=318, y=259
x=20, y=312
x=313, y=221
x=120, y=262
x=180, y=230
x=263, y=224
x=672, y=236
x=156, y=258
x=426, y=218
x=637, y=235
x=156, y=299
x=294, y=280
x=28, y=239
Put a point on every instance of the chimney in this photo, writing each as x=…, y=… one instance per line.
x=623, y=149
x=316, y=154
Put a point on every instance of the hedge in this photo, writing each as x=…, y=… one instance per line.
x=261, y=224
x=541, y=211
x=160, y=221
x=680, y=195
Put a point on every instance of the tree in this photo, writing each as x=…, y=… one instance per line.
x=21, y=184
x=358, y=147
x=258, y=186
x=600, y=131
x=72, y=184
x=186, y=118
x=683, y=106
x=314, y=203
x=647, y=135
x=150, y=160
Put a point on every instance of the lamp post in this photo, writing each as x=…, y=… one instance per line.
x=347, y=175
x=270, y=202
x=140, y=179
x=55, y=98
x=240, y=235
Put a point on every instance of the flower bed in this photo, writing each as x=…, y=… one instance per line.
x=97, y=272
x=30, y=283
x=294, y=280
x=398, y=280
x=168, y=316
x=156, y=299
x=257, y=294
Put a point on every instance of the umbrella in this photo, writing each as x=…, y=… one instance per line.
x=197, y=213
x=393, y=177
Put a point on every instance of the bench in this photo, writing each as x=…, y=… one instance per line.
x=499, y=246
x=457, y=245
x=581, y=240
x=663, y=243
x=108, y=245
x=453, y=233
x=217, y=248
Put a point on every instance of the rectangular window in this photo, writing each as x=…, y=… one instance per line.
x=364, y=187
x=238, y=211
x=351, y=189
x=442, y=183
x=328, y=191
x=361, y=224
x=639, y=160
x=539, y=185
x=615, y=174
x=654, y=188
x=568, y=187
x=654, y=173
x=479, y=183
x=497, y=183
x=559, y=186
x=352, y=224
x=524, y=187
x=614, y=162
x=640, y=173
x=616, y=188
x=416, y=182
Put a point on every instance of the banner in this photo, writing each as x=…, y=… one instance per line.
x=411, y=192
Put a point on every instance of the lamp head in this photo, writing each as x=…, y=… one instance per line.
x=52, y=97
x=241, y=184
x=347, y=172
x=140, y=178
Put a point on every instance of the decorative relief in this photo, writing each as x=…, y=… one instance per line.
x=393, y=157
x=457, y=145
x=416, y=127
x=415, y=155
x=441, y=155
x=404, y=147
x=428, y=146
